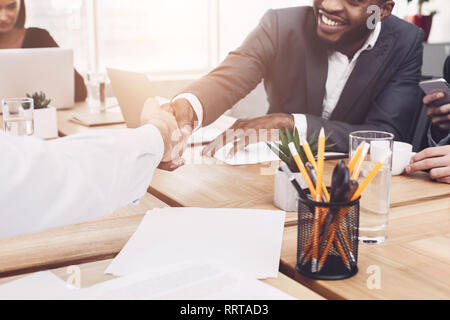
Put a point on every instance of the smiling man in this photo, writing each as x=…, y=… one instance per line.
x=325, y=65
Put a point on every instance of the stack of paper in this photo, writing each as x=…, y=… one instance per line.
x=245, y=241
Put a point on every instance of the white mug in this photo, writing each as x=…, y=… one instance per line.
x=401, y=157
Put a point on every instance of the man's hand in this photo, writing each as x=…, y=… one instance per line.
x=436, y=159
x=440, y=116
x=244, y=132
x=166, y=123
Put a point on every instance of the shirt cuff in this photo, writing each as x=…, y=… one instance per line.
x=196, y=106
x=301, y=124
x=152, y=140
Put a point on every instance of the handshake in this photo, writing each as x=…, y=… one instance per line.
x=175, y=121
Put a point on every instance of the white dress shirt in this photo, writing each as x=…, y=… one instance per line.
x=47, y=184
x=339, y=71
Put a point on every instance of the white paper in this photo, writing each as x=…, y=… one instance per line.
x=185, y=281
x=38, y=286
x=252, y=154
x=246, y=241
x=209, y=133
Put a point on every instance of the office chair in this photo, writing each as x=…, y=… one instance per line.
x=447, y=69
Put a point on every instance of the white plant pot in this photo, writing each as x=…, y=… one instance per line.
x=45, y=123
x=285, y=195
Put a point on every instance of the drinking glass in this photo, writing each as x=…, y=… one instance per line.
x=96, y=88
x=375, y=201
x=18, y=116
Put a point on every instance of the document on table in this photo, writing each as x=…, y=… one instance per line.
x=186, y=281
x=38, y=286
x=209, y=133
x=252, y=154
x=190, y=280
x=241, y=240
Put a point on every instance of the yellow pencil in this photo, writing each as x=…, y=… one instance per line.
x=356, y=156
x=320, y=164
x=360, y=161
x=310, y=156
x=302, y=169
x=317, y=211
x=366, y=181
x=342, y=213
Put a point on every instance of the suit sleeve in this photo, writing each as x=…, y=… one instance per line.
x=241, y=71
x=394, y=110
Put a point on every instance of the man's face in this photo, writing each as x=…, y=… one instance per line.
x=341, y=22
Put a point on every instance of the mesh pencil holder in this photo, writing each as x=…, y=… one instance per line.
x=333, y=256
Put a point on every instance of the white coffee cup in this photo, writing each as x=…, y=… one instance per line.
x=401, y=157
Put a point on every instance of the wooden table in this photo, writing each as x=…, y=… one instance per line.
x=90, y=241
x=413, y=262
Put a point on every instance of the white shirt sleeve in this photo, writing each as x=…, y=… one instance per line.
x=196, y=105
x=301, y=124
x=47, y=184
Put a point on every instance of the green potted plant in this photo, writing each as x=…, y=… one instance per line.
x=419, y=19
x=285, y=195
x=45, y=121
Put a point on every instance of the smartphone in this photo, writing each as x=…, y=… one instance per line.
x=437, y=85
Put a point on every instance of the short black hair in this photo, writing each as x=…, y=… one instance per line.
x=22, y=16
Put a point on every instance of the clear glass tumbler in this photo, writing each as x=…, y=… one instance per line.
x=18, y=116
x=375, y=201
x=96, y=84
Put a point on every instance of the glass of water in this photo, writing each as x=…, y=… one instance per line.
x=96, y=84
x=375, y=202
x=18, y=116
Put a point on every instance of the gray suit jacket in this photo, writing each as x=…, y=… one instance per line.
x=382, y=93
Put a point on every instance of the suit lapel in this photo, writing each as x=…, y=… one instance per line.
x=368, y=65
x=316, y=76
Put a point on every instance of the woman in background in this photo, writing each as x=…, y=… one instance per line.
x=14, y=35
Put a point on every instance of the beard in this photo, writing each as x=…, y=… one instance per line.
x=349, y=38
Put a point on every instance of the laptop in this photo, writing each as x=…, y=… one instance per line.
x=33, y=70
x=131, y=89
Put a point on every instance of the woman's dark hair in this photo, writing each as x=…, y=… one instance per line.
x=22, y=16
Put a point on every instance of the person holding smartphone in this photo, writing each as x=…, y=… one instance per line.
x=437, y=157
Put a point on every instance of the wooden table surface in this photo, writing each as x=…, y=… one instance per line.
x=90, y=241
x=413, y=262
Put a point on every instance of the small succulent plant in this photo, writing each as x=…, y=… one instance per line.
x=283, y=152
x=40, y=100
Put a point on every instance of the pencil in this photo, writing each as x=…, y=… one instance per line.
x=343, y=212
x=360, y=161
x=316, y=227
x=310, y=156
x=302, y=168
x=356, y=156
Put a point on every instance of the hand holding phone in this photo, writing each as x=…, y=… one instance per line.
x=438, y=102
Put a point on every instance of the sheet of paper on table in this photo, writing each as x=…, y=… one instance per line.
x=245, y=241
x=252, y=154
x=190, y=280
x=38, y=286
x=209, y=133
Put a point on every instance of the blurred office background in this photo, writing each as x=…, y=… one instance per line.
x=176, y=41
